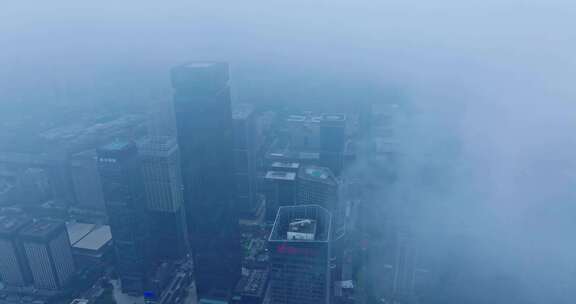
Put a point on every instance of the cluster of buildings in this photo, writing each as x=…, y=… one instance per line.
x=151, y=204
x=35, y=255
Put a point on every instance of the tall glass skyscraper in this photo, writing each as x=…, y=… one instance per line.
x=202, y=107
x=121, y=178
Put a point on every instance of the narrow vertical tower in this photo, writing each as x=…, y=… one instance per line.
x=244, y=158
x=204, y=125
x=123, y=190
x=164, y=197
x=333, y=141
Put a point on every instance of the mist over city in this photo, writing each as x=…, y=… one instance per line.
x=248, y=152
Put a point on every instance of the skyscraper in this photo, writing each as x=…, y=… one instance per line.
x=14, y=268
x=49, y=254
x=204, y=125
x=332, y=141
x=164, y=197
x=317, y=186
x=120, y=175
x=244, y=157
x=279, y=189
x=299, y=246
x=86, y=180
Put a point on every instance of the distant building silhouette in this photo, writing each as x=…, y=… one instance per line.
x=332, y=141
x=86, y=180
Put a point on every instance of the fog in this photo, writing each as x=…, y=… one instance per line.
x=488, y=144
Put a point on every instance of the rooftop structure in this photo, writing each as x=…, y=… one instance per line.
x=9, y=225
x=281, y=175
x=318, y=174
x=200, y=64
x=115, y=146
x=253, y=285
x=41, y=229
x=333, y=117
x=95, y=239
x=285, y=165
x=311, y=219
x=77, y=231
x=301, y=229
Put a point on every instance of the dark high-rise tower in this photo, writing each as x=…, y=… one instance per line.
x=244, y=157
x=123, y=190
x=332, y=141
x=204, y=125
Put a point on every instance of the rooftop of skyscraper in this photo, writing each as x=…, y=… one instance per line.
x=41, y=229
x=333, y=117
x=289, y=165
x=280, y=175
x=313, y=220
x=319, y=174
x=10, y=224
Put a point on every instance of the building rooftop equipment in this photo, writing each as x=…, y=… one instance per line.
x=304, y=219
x=301, y=229
x=319, y=174
x=288, y=165
x=280, y=175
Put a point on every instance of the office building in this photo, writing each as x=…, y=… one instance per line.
x=91, y=244
x=285, y=166
x=251, y=289
x=299, y=246
x=244, y=158
x=121, y=178
x=164, y=197
x=49, y=254
x=279, y=190
x=202, y=107
x=86, y=181
x=318, y=186
x=14, y=269
x=332, y=141
x=304, y=132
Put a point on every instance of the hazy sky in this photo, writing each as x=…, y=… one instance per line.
x=507, y=66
